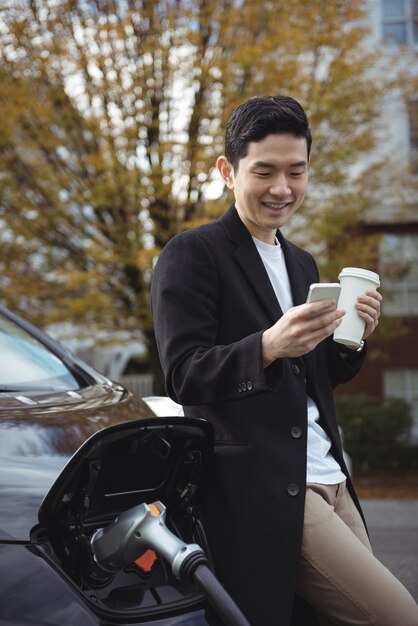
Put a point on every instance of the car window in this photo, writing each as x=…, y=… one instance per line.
x=26, y=364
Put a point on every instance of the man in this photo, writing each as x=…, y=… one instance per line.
x=240, y=347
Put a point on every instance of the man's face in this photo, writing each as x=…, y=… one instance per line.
x=270, y=183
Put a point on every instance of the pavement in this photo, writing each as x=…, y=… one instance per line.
x=393, y=528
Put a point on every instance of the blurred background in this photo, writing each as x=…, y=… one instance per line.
x=112, y=117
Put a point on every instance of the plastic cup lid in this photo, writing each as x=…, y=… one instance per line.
x=359, y=272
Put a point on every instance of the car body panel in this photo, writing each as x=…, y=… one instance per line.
x=35, y=446
x=31, y=592
x=58, y=416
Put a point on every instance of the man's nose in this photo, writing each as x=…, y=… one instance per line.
x=280, y=186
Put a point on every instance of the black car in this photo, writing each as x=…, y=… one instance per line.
x=76, y=452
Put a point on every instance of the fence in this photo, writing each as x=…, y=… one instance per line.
x=140, y=384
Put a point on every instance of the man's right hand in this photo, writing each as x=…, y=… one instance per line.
x=300, y=330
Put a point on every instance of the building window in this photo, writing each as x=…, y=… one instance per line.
x=399, y=273
x=400, y=22
x=403, y=383
x=413, y=133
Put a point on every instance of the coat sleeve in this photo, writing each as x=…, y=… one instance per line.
x=342, y=369
x=185, y=307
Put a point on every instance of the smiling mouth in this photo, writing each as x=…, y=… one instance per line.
x=276, y=206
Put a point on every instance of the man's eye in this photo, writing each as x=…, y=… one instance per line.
x=262, y=174
x=296, y=173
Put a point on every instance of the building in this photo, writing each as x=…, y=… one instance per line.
x=394, y=373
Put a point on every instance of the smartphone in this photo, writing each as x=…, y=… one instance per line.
x=323, y=291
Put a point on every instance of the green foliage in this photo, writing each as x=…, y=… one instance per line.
x=375, y=431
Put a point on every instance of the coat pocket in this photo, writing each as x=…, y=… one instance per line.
x=231, y=447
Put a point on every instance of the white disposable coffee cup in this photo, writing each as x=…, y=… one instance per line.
x=354, y=281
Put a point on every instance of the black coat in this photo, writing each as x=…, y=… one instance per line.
x=212, y=300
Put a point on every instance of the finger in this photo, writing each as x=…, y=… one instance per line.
x=311, y=317
x=368, y=309
x=369, y=315
x=320, y=307
x=371, y=299
x=369, y=303
x=374, y=294
x=322, y=332
x=325, y=324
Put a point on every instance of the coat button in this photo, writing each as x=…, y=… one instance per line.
x=249, y=385
x=292, y=489
x=295, y=369
x=244, y=386
x=296, y=432
x=239, y=387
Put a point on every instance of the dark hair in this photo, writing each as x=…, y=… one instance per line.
x=261, y=116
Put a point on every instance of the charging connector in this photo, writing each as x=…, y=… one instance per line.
x=142, y=528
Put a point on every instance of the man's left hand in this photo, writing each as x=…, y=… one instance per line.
x=368, y=308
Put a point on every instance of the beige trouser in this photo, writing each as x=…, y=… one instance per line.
x=339, y=575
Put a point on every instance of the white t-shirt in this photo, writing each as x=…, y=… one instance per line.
x=321, y=466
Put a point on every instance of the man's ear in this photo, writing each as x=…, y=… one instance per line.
x=226, y=171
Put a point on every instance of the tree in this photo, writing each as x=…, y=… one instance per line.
x=113, y=114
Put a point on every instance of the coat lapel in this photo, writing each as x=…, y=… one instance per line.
x=250, y=262
x=296, y=272
x=299, y=285
x=247, y=257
